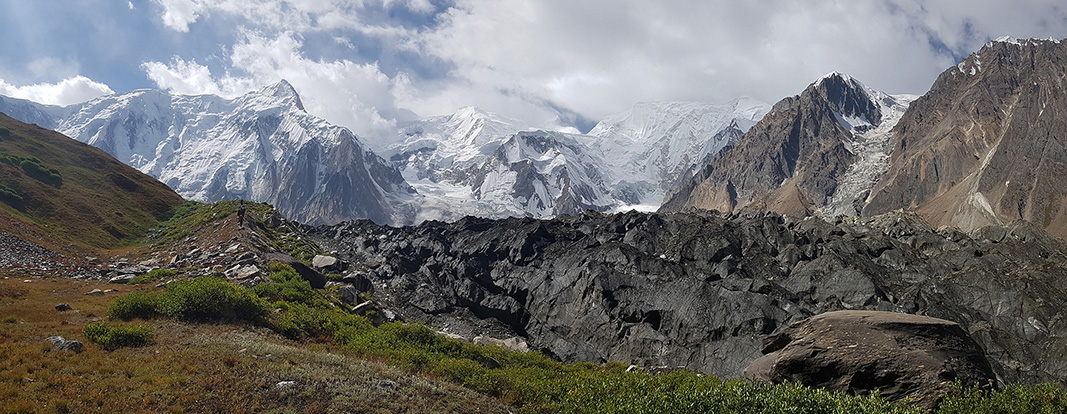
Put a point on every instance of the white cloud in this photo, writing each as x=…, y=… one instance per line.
x=358, y=96
x=523, y=58
x=68, y=91
x=179, y=14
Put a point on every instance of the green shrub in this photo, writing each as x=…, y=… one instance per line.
x=206, y=298
x=113, y=337
x=33, y=168
x=4, y=133
x=9, y=195
x=135, y=305
x=154, y=276
x=211, y=298
x=1042, y=398
x=286, y=285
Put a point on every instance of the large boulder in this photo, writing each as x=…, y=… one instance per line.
x=906, y=357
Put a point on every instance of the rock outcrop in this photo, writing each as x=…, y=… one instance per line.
x=905, y=357
x=986, y=145
x=700, y=290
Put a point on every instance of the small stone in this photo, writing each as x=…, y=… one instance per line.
x=122, y=279
x=284, y=384
x=386, y=384
x=95, y=292
x=63, y=307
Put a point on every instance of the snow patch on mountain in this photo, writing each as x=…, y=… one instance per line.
x=870, y=145
x=654, y=145
x=261, y=146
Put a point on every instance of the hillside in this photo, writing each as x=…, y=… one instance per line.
x=67, y=196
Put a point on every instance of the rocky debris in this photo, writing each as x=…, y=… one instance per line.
x=514, y=343
x=328, y=264
x=240, y=273
x=905, y=357
x=61, y=344
x=95, y=292
x=316, y=279
x=701, y=289
x=349, y=294
x=377, y=314
x=22, y=256
x=359, y=281
x=63, y=307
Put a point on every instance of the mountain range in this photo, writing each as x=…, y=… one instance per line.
x=983, y=146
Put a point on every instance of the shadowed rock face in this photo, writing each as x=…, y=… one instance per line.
x=987, y=144
x=700, y=290
x=905, y=357
x=790, y=161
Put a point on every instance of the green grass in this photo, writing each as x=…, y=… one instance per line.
x=74, y=196
x=114, y=337
x=202, y=299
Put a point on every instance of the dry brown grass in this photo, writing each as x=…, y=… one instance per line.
x=190, y=367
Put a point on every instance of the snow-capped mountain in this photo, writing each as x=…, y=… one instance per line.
x=477, y=163
x=819, y=152
x=261, y=146
x=654, y=146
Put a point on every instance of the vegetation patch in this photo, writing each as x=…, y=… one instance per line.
x=114, y=337
x=202, y=299
x=9, y=195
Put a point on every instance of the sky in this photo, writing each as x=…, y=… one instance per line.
x=370, y=64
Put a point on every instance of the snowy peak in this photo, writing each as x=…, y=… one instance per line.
x=278, y=95
x=654, y=145
x=856, y=106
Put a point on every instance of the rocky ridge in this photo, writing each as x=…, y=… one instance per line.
x=700, y=289
x=794, y=160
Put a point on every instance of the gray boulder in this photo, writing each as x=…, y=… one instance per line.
x=61, y=344
x=328, y=264
x=904, y=357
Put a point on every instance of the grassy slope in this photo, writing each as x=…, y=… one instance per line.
x=191, y=367
x=102, y=203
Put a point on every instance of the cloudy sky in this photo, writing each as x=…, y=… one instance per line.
x=368, y=64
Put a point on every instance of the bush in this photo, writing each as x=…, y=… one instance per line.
x=1042, y=398
x=287, y=285
x=33, y=168
x=9, y=195
x=113, y=337
x=4, y=133
x=135, y=305
x=211, y=298
x=206, y=298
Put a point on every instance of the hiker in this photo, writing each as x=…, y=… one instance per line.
x=241, y=215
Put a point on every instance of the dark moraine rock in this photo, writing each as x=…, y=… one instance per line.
x=905, y=357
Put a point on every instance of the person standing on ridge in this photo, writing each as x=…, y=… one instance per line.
x=241, y=215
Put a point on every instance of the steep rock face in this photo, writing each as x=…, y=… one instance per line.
x=905, y=357
x=795, y=159
x=987, y=144
x=656, y=145
x=261, y=146
x=701, y=290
